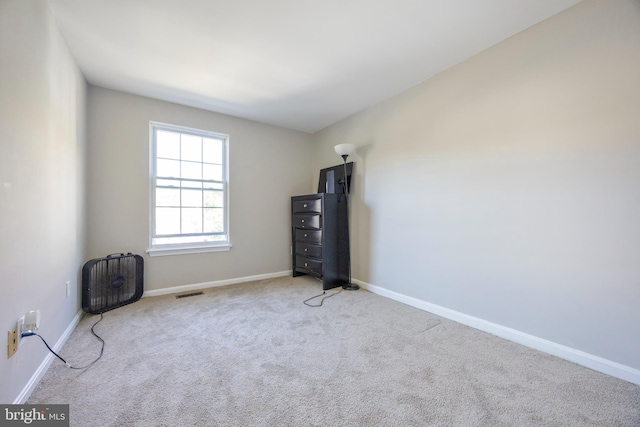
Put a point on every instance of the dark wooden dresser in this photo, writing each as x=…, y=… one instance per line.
x=320, y=245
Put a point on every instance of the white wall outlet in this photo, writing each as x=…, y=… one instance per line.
x=19, y=327
x=68, y=289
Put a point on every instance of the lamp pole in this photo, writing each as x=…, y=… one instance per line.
x=344, y=150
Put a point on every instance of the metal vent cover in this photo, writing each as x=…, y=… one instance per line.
x=190, y=294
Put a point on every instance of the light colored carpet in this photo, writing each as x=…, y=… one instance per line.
x=255, y=355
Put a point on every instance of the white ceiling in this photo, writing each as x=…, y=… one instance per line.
x=300, y=64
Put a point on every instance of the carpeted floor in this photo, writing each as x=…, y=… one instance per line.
x=255, y=355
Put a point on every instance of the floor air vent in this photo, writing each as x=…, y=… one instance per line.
x=192, y=294
x=112, y=282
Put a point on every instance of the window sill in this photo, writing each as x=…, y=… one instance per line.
x=183, y=250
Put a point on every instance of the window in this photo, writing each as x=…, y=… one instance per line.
x=189, y=190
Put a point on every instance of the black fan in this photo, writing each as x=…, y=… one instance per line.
x=112, y=282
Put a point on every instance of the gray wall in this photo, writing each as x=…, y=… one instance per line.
x=268, y=165
x=507, y=187
x=42, y=219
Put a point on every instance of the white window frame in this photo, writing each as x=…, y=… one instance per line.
x=192, y=247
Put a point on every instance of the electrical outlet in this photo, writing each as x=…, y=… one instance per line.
x=20, y=326
x=12, y=340
x=68, y=289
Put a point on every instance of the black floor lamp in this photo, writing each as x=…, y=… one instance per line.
x=344, y=150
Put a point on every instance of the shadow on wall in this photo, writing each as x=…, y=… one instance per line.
x=361, y=217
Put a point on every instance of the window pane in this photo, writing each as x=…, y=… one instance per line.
x=167, y=221
x=189, y=187
x=213, y=220
x=168, y=144
x=213, y=199
x=191, y=148
x=212, y=172
x=168, y=168
x=212, y=150
x=168, y=197
x=191, y=198
x=192, y=220
x=191, y=170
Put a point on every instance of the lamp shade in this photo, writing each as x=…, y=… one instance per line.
x=344, y=149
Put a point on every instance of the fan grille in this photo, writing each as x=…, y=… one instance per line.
x=111, y=282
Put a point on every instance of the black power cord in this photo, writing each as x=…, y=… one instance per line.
x=28, y=334
x=305, y=302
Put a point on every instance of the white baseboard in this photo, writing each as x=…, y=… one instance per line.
x=42, y=369
x=206, y=285
x=587, y=360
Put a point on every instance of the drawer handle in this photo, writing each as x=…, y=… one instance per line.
x=303, y=220
x=305, y=234
x=306, y=265
x=305, y=205
x=305, y=249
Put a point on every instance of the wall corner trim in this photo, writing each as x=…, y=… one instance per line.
x=579, y=357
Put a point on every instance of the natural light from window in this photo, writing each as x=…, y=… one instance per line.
x=189, y=209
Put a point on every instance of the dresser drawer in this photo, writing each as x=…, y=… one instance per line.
x=303, y=206
x=309, y=236
x=306, y=249
x=306, y=221
x=309, y=265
